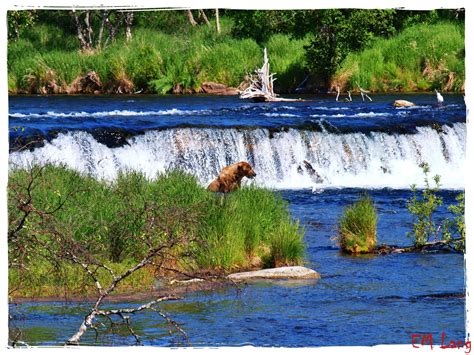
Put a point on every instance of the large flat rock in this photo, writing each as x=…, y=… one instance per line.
x=287, y=272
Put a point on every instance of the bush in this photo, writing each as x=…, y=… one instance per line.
x=425, y=229
x=357, y=230
x=423, y=207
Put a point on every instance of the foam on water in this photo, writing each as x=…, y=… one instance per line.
x=81, y=114
x=374, y=160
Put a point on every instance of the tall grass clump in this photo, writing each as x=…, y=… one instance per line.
x=116, y=223
x=422, y=57
x=251, y=227
x=357, y=229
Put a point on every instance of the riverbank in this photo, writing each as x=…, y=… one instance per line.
x=152, y=62
x=420, y=58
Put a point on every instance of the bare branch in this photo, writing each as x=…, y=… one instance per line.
x=148, y=305
x=173, y=324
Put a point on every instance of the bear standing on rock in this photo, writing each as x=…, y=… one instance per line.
x=230, y=177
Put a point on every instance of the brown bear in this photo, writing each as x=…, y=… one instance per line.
x=230, y=177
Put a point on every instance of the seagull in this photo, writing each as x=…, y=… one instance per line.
x=439, y=97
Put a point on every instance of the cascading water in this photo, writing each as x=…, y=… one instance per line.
x=320, y=144
x=364, y=160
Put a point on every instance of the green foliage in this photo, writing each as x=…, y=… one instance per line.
x=357, y=230
x=423, y=207
x=116, y=223
x=457, y=225
x=260, y=25
x=247, y=227
x=167, y=54
x=423, y=57
x=287, y=247
x=153, y=61
x=340, y=32
x=288, y=60
x=425, y=230
x=19, y=22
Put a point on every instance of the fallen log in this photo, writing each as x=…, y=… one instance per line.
x=440, y=245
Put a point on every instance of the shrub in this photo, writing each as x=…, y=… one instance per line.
x=423, y=207
x=425, y=229
x=357, y=230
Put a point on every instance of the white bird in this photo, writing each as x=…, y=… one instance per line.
x=439, y=97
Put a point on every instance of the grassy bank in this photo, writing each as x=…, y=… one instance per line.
x=48, y=61
x=117, y=224
x=422, y=57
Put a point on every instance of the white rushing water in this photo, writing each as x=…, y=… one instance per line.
x=357, y=160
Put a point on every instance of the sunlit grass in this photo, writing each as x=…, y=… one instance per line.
x=422, y=57
x=249, y=228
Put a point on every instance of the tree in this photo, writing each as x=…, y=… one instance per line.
x=339, y=32
x=425, y=231
x=20, y=21
x=91, y=26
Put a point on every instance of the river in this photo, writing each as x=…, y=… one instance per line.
x=352, y=147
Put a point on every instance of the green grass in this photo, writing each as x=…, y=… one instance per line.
x=422, y=57
x=153, y=61
x=249, y=228
x=357, y=230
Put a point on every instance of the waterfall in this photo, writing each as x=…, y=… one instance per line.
x=373, y=160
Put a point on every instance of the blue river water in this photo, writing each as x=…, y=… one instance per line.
x=358, y=300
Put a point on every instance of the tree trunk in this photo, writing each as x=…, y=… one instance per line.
x=113, y=29
x=204, y=17
x=89, y=30
x=85, y=46
x=105, y=17
x=191, y=19
x=218, y=22
x=128, y=26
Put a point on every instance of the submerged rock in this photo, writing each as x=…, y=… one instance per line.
x=287, y=272
x=403, y=103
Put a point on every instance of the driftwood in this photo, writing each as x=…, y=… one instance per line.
x=347, y=99
x=447, y=245
x=363, y=93
x=261, y=85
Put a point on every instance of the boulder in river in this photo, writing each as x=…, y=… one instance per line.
x=287, y=272
x=403, y=103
